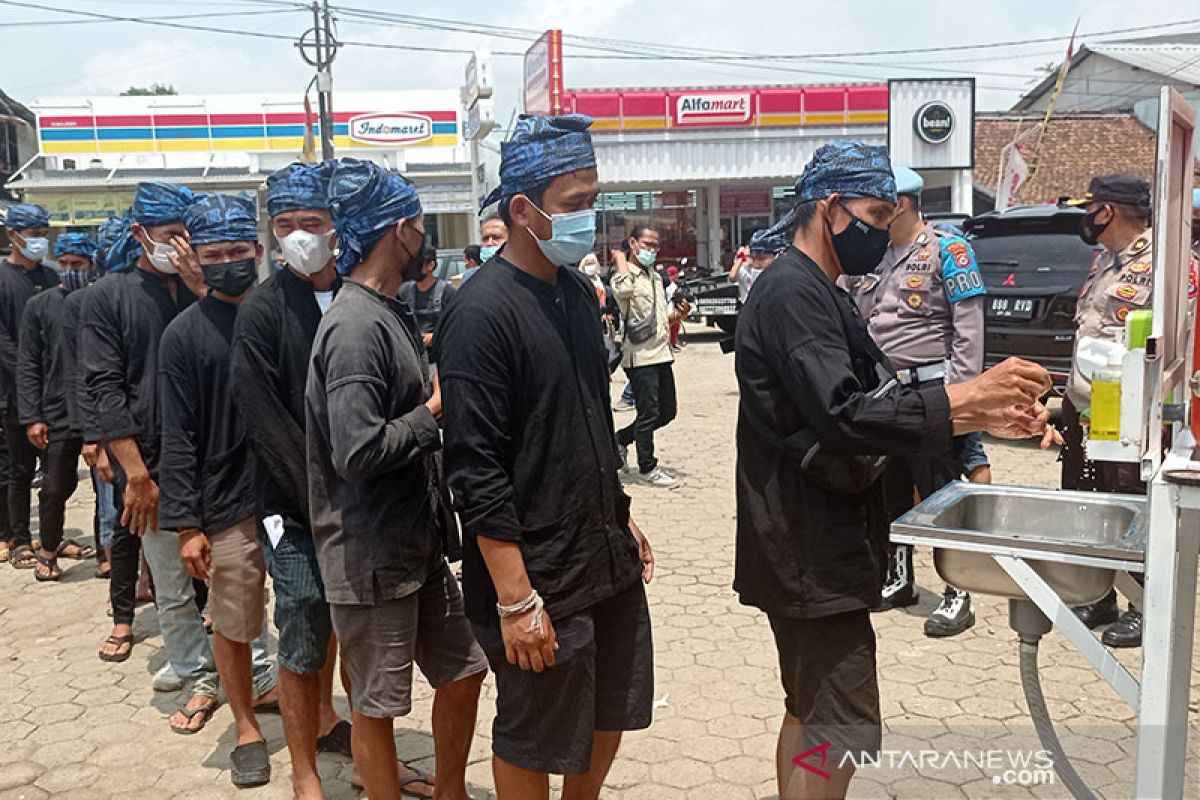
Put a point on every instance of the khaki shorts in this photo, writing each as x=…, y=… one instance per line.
x=237, y=593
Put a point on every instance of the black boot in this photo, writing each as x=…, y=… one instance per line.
x=1125, y=632
x=899, y=590
x=1101, y=612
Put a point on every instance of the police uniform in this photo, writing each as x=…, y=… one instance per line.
x=924, y=309
x=1118, y=284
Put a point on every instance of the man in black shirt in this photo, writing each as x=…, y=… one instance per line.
x=371, y=433
x=427, y=296
x=45, y=396
x=272, y=341
x=207, y=471
x=553, y=565
x=811, y=524
x=22, y=276
x=122, y=321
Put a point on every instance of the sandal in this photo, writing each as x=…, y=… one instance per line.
x=117, y=658
x=417, y=777
x=82, y=551
x=337, y=740
x=250, y=765
x=51, y=564
x=207, y=710
x=22, y=557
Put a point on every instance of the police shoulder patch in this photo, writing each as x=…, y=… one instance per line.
x=960, y=272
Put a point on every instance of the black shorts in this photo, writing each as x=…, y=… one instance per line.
x=602, y=680
x=828, y=670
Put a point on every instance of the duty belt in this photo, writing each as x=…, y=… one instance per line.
x=929, y=372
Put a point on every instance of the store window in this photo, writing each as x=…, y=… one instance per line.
x=671, y=214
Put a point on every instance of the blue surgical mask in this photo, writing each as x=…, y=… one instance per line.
x=572, y=236
x=488, y=252
x=36, y=248
x=647, y=258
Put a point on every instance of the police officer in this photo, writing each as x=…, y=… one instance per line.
x=751, y=260
x=924, y=307
x=1121, y=280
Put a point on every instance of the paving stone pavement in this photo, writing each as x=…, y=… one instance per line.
x=73, y=727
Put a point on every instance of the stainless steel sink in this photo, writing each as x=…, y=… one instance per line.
x=1075, y=540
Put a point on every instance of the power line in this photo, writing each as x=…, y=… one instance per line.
x=209, y=15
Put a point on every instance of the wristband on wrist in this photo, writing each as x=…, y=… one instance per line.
x=532, y=603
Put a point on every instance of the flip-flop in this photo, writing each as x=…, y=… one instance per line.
x=50, y=564
x=22, y=557
x=417, y=777
x=82, y=551
x=251, y=764
x=337, y=740
x=208, y=709
x=117, y=658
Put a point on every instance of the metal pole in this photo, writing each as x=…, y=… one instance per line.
x=325, y=84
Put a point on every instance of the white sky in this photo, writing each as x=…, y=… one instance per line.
x=103, y=58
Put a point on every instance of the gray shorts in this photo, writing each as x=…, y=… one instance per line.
x=379, y=643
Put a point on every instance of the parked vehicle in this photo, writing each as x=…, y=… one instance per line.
x=1034, y=264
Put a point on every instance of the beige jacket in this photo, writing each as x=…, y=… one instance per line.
x=635, y=291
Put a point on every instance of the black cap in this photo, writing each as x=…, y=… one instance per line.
x=1119, y=187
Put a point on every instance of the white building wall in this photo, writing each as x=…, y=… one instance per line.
x=1100, y=83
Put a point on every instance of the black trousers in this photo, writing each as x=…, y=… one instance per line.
x=23, y=457
x=124, y=564
x=5, y=471
x=1079, y=473
x=657, y=404
x=61, y=467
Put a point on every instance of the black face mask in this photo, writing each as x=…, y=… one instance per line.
x=232, y=278
x=860, y=247
x=1089, y=230
x=414, y=268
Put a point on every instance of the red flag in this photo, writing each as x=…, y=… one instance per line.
x=1071, y=44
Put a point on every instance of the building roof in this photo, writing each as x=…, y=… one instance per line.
x=1075, y=147
x=1174, y=60
x=11, y=108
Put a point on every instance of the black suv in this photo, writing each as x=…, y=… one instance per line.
x=1034, y=265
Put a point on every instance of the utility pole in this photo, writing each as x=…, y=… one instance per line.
x=318, y=47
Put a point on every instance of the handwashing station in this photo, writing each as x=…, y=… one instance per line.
x=1047, y=551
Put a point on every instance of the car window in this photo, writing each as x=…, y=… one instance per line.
x=450, y=265
x=1025, y=252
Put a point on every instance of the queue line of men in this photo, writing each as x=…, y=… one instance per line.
x=553, y=562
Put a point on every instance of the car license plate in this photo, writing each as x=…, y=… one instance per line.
x=1011, y=308
x=716, y=307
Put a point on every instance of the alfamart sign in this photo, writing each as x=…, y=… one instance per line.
x=712, y=109
x=391, y=128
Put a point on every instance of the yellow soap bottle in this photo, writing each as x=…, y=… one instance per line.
x=1106, y=401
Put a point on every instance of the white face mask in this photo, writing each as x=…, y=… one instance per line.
x=160, y=257
x=589, y=270
x=305, y=252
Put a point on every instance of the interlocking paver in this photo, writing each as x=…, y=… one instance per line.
x=72, y=726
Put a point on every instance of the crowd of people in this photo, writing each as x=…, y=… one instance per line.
x=353, y=425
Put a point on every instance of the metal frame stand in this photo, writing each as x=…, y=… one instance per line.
x=1168, y=632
